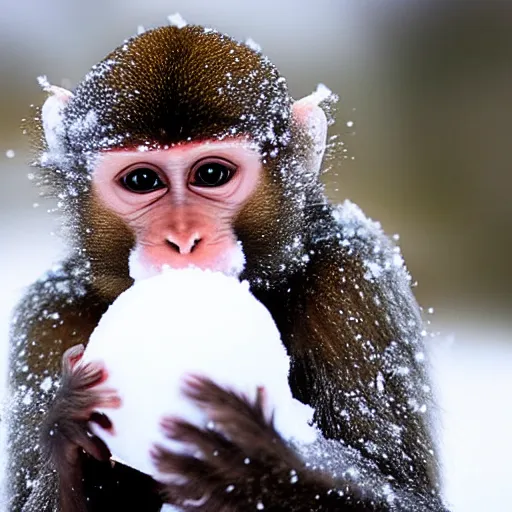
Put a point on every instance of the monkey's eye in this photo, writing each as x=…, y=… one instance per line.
x=212, y=174
x=142, y=180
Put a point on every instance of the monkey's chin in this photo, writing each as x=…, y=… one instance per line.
x=142, y=265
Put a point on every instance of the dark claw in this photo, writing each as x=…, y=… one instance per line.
x=101, y=419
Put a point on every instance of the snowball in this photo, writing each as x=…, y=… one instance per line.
x=10, y=153
x=185, y=322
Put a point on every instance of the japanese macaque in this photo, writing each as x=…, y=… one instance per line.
x=183, y=147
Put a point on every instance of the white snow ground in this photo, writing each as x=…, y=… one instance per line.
x=473, y=375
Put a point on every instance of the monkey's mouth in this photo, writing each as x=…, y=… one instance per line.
x=145, y=262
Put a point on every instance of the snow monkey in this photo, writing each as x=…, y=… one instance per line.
x=184, y=147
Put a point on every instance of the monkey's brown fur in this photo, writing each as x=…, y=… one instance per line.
x=353, y=337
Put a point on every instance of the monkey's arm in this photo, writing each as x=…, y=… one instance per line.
x=356, y=345
x=65, y=434
x=57, y=313
x=242, y=463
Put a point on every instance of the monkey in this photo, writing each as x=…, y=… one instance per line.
x=183, y=147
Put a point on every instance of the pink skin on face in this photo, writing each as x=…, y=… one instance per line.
x=184, y=223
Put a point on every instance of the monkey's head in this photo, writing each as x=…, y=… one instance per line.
x=183, y=147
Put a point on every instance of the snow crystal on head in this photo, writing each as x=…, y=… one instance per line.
x=177, y=20
x=253, y=45
x=84, y=127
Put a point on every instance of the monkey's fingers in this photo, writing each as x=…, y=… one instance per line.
x=106, y=398
x=220, y=458
x=186, y=466
x=201, y=389
x=211, y=485
x=78, y=434
x=95, y=447
x=212, y=397
x=71, y=357
x=200, y=480
x=81, y=405
x=225, y=458
x=215, y=448
x=65, y=440
x=241, y=421
x=102, y=420
x=263, y=404
x=88, y=375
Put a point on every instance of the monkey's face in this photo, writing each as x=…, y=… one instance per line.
x=180, y=203
x=200, y=194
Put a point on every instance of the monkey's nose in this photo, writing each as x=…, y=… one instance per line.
x=183, y=244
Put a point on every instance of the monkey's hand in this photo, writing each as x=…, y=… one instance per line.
x=65, y=430
x=241, y=463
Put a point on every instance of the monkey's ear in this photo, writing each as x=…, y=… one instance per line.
x=51, y=113
x=308, y=113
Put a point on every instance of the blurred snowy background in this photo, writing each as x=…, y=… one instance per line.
x=426, y=121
